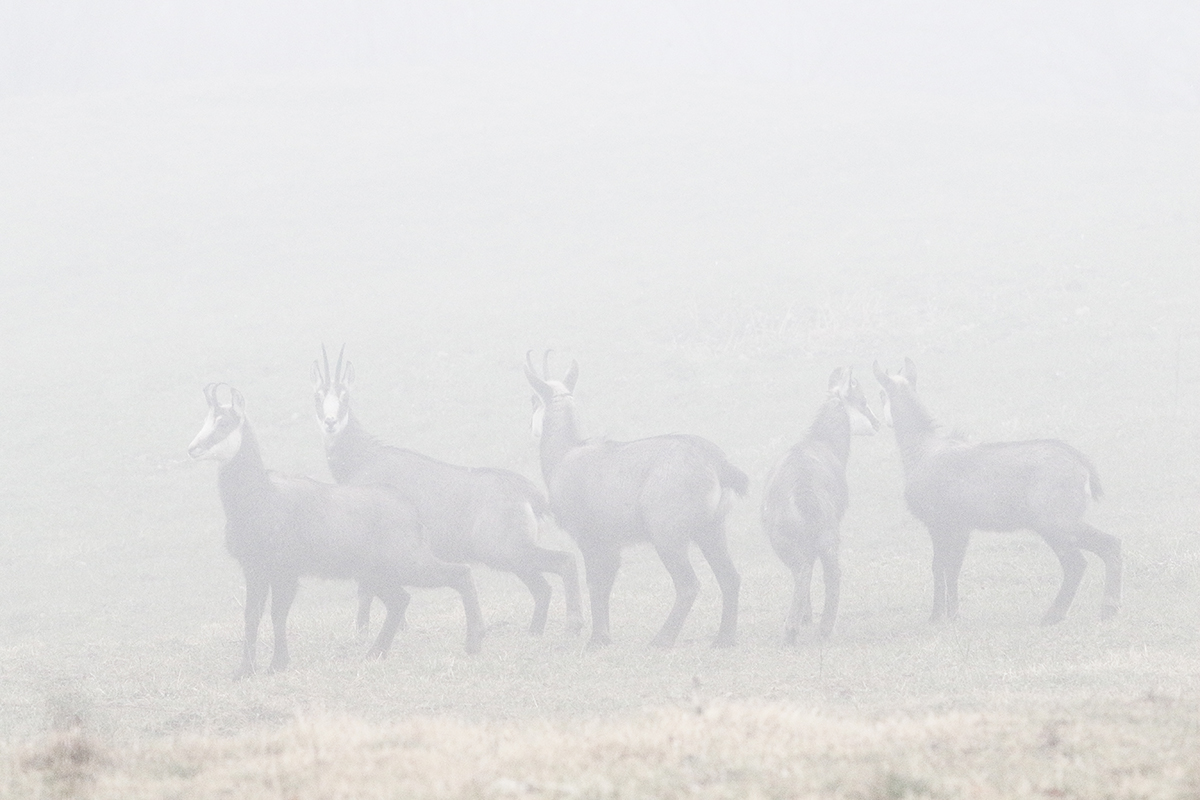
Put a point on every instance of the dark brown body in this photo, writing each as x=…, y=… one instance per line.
x=1043, y=485
x=666, y=490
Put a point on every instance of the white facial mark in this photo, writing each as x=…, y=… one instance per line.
x=887, y=411
x=225, y=449
x=331, y=408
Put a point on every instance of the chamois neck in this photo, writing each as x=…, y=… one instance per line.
x=243, y=480
x=832, y=428
x=350, y=450
x=915, y=429
x=560, y=435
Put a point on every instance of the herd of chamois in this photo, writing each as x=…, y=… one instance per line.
x=396, y=518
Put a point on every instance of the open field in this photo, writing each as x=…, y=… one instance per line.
x=708, y=253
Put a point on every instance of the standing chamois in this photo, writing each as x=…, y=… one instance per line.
x=282, y=527
x=807, y=496
x=955, y=487
x=668, y=490
x=490, y=516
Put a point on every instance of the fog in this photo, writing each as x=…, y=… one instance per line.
x=708, y=207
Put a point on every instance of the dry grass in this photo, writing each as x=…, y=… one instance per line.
x=1040, y=267
x=1145, y=749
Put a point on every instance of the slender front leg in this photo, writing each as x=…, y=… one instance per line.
x=601, y=565
x=362, y=623
x=256, y=601
x=283, y=592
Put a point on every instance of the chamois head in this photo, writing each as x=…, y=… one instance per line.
x=900, y=393
x=555, y=396
x=220, y=437
x=331, y=393
x=844, y=387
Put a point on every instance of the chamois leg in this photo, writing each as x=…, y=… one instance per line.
x=600, y=563
x=801, y=610
x=257, y=586
x=939, y=578
x=831, y=576
x=283, y=592
x=562, y=564
x=1073, y=565
x=362, y=623
x=539, y=587
x=954, y=549
x=716, y=553
x=395, y=599
x=687, y=586
x=427, y=570
x=1108, y=548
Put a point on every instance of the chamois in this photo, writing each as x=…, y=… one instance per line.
x=806, y=497
x=668, y=490
x=280, y=528
x=490, y=516
x=955, y=487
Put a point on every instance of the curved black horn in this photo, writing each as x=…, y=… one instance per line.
x=325, y=358
x=337, y=373
x=546, y=365
x=208, y=393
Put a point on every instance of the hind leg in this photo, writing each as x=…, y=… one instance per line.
x=539, y=587
x=1073, y=565
x=716, y=553
x=831, y=576
x=427, y=570
x=395, y=599
x=1108, y=548
x=800, y=613
x=675, y=558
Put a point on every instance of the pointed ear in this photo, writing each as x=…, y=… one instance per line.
x=318, y=380
x=880, y=375
x=572, y=376
x=208, y=393
x=839, y=382
x=540, y=386
x=909, y=373
x=239, y=402
x=348, y=375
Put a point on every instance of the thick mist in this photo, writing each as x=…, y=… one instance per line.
x=709, y=209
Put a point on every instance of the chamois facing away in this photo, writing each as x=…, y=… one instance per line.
x=668, y=490
x=489, y=516
x=807, y=496
x=281, y=528
x=954, y=487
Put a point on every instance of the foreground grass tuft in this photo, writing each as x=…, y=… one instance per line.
x=1142, y=748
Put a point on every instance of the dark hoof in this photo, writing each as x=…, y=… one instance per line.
x=724, y=641
x=789, y=637
x=1108, y=612
x=662, y=643
x=597, y=642
x=241, y=673
x=574, y=627
x=375, y=654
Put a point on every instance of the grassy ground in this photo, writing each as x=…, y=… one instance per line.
x=709, y=254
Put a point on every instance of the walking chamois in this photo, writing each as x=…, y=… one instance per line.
x=806, y=497
x=280, y=528
x=484, y=515
x=955, y=487
x=668, y=490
